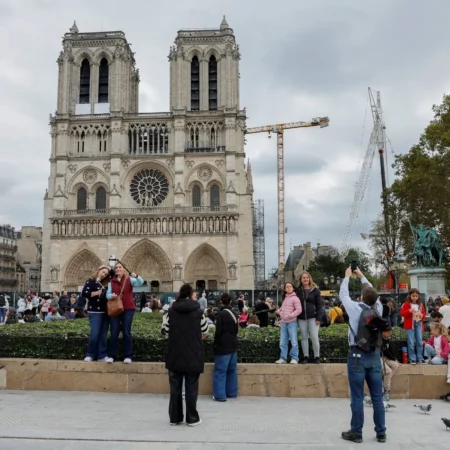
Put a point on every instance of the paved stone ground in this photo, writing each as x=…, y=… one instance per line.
x=93, y=421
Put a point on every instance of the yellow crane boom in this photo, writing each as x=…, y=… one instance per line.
x=278, y=129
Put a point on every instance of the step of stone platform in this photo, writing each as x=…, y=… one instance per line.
x=261, y=380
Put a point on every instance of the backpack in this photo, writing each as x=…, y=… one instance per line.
x=339, y=318
x=368, y=336
x=325, y=322
x=2, y=301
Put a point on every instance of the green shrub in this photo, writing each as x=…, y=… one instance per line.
x=68, y=340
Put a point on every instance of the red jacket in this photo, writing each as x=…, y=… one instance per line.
x=404, y=312
x=445, y=347
x=127, y=294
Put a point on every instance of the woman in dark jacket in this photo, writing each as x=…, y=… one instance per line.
x=94, y=291
x=310, y=318
x=186, y=327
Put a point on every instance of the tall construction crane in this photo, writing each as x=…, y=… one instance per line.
x=278, y=129
x=377, y=142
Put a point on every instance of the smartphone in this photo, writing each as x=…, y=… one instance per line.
x=354, y=266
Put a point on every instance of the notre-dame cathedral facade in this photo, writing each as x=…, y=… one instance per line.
x=166, y=193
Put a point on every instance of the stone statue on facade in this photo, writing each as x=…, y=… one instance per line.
x=428, y=247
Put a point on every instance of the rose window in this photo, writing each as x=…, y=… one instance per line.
x=149, y=187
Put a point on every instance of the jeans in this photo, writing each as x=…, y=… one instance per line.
x=309, y=326
x=176, y=399
x=2, y=314
x=415, y=351
x=98, y=338
x=430, y=353
x=288, y=332
x=225, y=378
x=121, y=323
x=365, y=366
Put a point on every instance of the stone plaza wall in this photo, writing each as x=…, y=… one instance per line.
x=262, y=380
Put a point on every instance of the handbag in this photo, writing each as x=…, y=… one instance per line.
x=115, y=305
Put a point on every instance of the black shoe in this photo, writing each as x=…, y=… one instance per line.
x=304, y=361
x=381, y=437
x=352, y=436
x=317, y=360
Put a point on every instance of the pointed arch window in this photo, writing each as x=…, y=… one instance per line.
x=103, y=81
x=195, y=84
x=85, y=81
x=214, y=197
x=196, y=196
x=81, y=199
x=100, y=198
x=212, y=83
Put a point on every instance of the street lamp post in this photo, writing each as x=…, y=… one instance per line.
x=398, y=266
x=332, y=280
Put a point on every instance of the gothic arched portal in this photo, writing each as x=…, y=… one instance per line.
x=80, y=268
x=151, y=262
x=206, y=267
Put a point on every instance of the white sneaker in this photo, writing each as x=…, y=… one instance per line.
x=294, y=361
x=195, y=424
x=109, y=360
x=88, y=359
x=105, y=359
x=281, y=361
x=127, y=361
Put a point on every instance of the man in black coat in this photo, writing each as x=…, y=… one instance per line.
x=225, y=378
x=186, y=327
x=262, y=311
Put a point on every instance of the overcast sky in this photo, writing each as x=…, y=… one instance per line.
x=300, y=59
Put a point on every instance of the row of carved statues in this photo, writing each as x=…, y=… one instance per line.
x=178, y=225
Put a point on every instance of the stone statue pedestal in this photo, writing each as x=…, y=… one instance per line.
x=428, y=280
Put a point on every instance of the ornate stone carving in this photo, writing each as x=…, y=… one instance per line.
x=232, y=271
x=125, y=163
x=170, y=163
x=107, y=167
x=219, y=163
x=204, y=173
x=54, y=271
x=190, y=164
x=149, y=187
x=90, y=176
x=177, y=272
x=72, y=167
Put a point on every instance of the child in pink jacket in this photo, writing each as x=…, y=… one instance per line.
x=290, y=309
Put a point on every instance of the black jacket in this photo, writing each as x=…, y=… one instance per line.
x=312, y=306
x=64, y=302
x=387, y=350
x=225, y=339
x=185, y=324
x=97, y=303
x=262, y=312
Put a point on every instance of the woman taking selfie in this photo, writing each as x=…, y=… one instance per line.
x=311, y=316
x=122, y=284
x=94, y=291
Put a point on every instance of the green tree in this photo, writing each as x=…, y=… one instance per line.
x=422, y=188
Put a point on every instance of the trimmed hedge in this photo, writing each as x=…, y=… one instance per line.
x=68, y=340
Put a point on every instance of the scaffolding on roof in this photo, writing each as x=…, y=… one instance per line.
x=259, y=249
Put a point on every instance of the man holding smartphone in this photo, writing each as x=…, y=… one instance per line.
x=364, y=363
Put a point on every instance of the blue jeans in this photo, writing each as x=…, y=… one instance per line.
x=225, y=378
x=430, y=353
x=415, y=351
x=365, y=366
x=288, y=332
x=2, y=314
x=98, y=338
x=122, y=324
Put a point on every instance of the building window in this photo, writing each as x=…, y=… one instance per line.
x=100, y=198
x=81, y=199
x=154, y=286
x=103, y=80
x=212, y=83
x=196, y=196
x=85, y=81
x=195, y=84
x=215, y=196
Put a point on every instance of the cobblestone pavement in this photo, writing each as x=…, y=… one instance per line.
x=39, y=420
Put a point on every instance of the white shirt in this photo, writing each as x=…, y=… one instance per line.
x=438, y=345
x=445, y=311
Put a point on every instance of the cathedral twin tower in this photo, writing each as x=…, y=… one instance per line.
x=167, y=193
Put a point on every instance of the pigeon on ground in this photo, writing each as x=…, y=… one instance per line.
x=387, y=406
x=446, y=423
x=445, y=397
x=425, y=408
x=367, y=400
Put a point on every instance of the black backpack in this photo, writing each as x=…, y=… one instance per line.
x=2, y=300
x=368, y=336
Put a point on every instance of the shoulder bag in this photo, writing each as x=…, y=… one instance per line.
x=115, y=305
